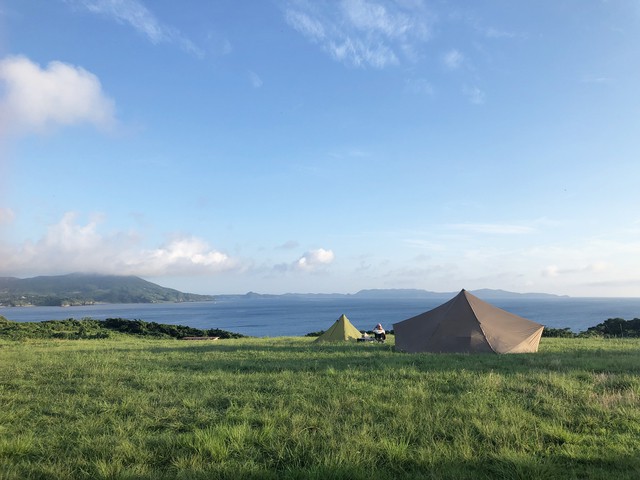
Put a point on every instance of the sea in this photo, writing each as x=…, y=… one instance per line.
x=277, y=316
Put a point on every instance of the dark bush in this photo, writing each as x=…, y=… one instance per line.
x=223, y=334
x=315, y=334
x=558, y=332
x=153, y=329
x=616, y=327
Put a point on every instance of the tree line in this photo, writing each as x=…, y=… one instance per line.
x=611, y=328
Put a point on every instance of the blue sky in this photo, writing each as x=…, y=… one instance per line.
x=323, y=146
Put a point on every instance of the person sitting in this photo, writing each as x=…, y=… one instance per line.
x=379, y=332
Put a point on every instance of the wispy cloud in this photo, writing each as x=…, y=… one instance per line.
x=480, y=25
x=256, y=81
x=6, y=215
x=419, y=86
x=362, y=33
x=136, y=15
x=492, y=32
x=346, y=153
x=305, y=24
x=35, y=98
x=596, y=79
x=555, y=271
x=492, y=228
x=453, y=59
x=288, y=245
x=425, y=244
x=475, y=95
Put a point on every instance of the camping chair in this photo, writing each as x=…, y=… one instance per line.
x=380, y=337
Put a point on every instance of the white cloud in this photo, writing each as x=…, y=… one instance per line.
x=69, y=246
x=453, y=59
x=136, y=15
x=182, y=256
x=314, y=259
x=362, y=32
x=61, y=94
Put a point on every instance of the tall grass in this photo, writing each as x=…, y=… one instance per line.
x=289, y=408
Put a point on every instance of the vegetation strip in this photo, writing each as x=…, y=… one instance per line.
x=88, y=328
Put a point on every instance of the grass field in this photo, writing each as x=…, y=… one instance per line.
x=288, y=408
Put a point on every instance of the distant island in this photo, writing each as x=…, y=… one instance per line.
x=399, y=293
x=87, y=289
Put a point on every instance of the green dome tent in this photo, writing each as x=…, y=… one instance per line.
x=467, y=324
x=340, y=331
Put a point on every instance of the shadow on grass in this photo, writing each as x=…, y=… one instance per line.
x=534, y=467
x=483, y=468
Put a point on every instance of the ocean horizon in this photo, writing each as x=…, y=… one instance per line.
x=275, y=316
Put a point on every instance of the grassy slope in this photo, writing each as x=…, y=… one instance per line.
x=288, y=408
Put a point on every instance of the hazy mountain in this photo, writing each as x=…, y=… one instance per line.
x=83, y=289
x=484, y=293
x=487, y=293
x=399, y=293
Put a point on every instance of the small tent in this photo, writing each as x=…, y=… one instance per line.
x=467, y=324
x=341, y=330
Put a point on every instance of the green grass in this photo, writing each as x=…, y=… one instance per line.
x=288, y=408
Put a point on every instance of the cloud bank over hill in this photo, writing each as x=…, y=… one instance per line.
x=73, y=246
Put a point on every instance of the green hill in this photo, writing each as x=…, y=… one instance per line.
x=86, y=289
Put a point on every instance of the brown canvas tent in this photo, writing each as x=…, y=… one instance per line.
x=341, y=330
x=467, y=324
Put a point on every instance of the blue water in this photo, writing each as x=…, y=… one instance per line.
x=286, y=316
